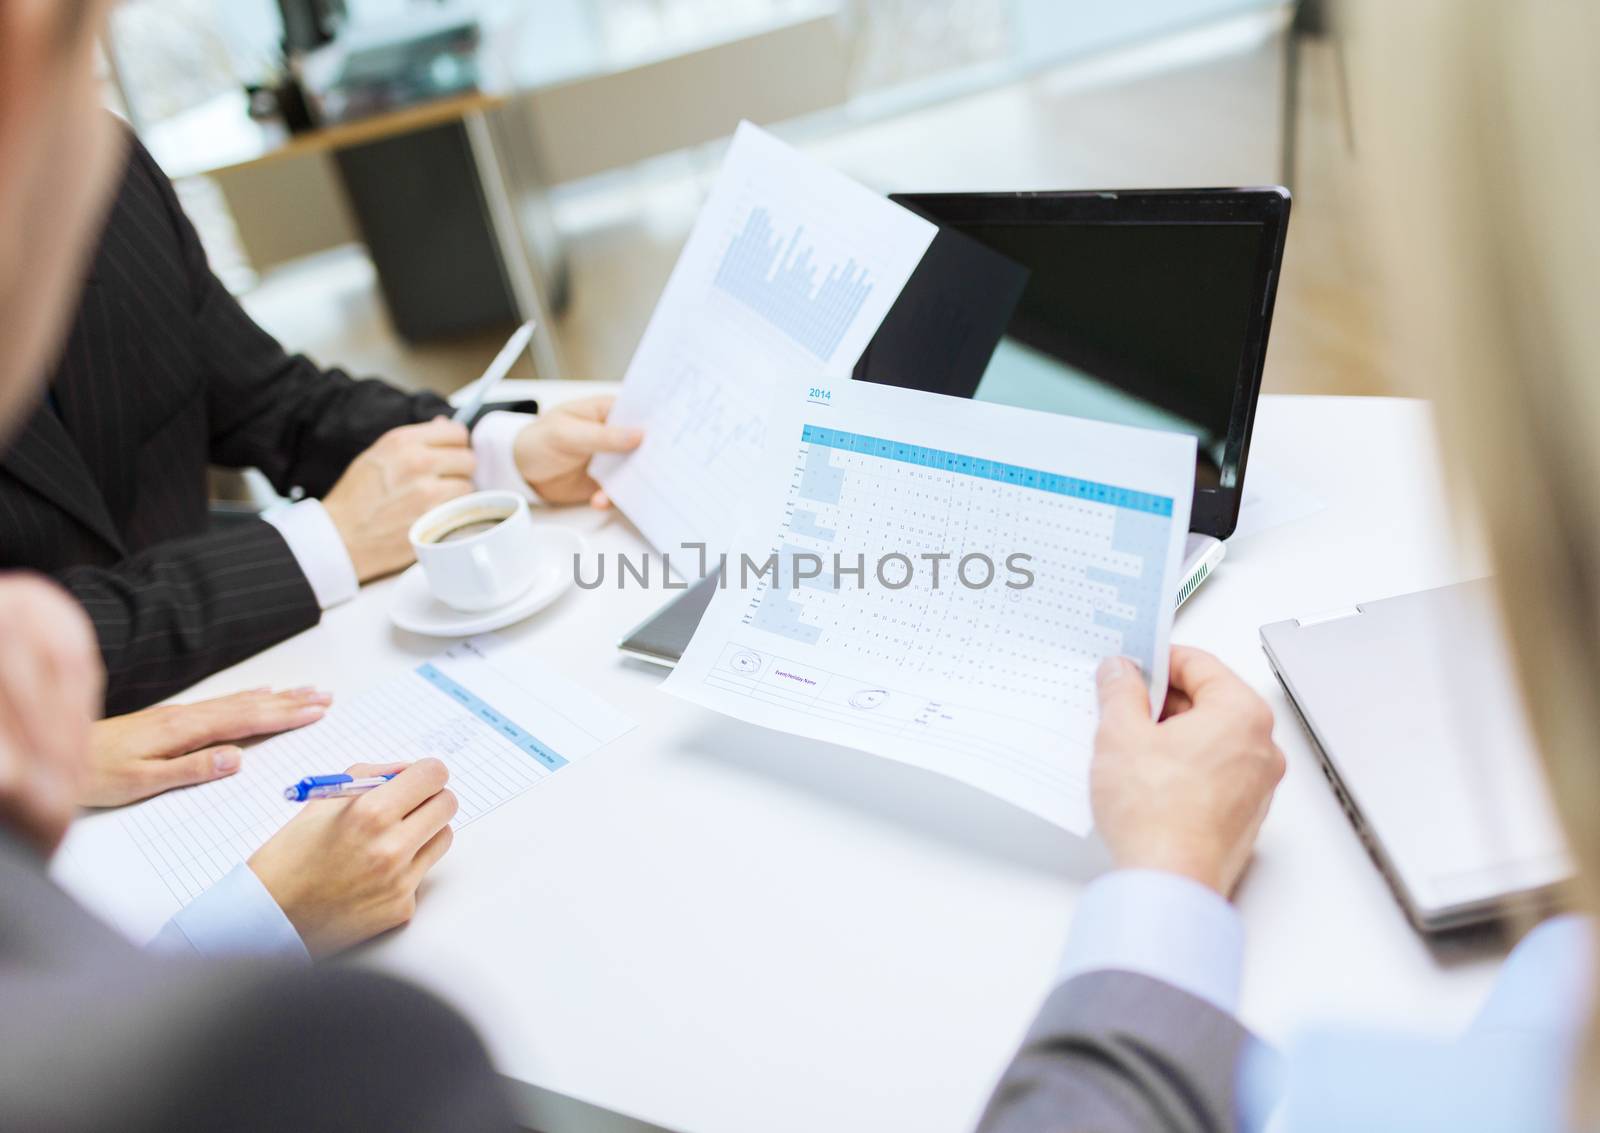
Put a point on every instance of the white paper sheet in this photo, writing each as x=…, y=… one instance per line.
x=789, y=270
x=499, y=719
x=992, y=685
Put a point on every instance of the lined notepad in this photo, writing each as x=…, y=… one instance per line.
x=499, y=719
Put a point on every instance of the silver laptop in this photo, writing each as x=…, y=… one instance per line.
x=1411, y=705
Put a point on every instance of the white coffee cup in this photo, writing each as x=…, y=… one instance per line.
x=477, y=551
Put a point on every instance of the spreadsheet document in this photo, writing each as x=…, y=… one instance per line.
x=790, y=269
x=498, y=718
x=947, y=576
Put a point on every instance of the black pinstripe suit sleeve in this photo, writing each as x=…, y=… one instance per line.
x=184, y=609
x=298, y=423
x=105, y=488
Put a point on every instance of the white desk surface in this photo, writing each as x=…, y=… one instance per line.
x=720, y=929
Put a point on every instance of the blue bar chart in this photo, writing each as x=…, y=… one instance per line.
x=777, y=279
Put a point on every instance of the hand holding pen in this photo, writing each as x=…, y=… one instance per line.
x=334, y=786
x=342, y=874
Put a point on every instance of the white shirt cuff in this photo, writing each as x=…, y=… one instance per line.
x=1162, y=926
x=235, y=917
x=317, y=547
x=494, y=441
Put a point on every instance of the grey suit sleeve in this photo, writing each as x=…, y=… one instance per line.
x=1113, y=1051
x=96, y=1034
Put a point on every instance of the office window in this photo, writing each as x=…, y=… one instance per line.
x=175, y=56
x=907, y=41
x=171, y=56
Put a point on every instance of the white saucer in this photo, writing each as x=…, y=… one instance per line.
x=414, y=607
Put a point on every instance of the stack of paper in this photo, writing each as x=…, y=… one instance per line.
x=878, y=624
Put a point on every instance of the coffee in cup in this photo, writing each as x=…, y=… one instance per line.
x=478, y=552
x=466, y=525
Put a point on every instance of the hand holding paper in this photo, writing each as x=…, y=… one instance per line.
x=936, y=580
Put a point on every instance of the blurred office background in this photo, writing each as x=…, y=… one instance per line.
x=459, y=164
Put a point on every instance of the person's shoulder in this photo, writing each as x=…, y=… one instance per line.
x=144, y=224
x=1341, y=1079
x=141, y=172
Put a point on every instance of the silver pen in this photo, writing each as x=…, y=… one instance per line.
x=478, y=392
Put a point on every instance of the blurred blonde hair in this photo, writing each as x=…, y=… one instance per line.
x=1480, y=125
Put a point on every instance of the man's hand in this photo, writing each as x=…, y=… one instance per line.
x=553, y=451
x=344, y=870
x=144, y=753
x=1187, y=795
x=51, y=680
x=387, y=488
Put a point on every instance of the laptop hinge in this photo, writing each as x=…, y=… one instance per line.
x=1330, y=616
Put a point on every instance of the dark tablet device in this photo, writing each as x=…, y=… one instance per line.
x=664, y=635
x=1144, y=307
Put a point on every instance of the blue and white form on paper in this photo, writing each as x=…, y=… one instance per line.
x=503, y=725
x=988, y=682
x=496, y=715
x=1138, y=545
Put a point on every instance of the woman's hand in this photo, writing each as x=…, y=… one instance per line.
x=176, y=745
x=1187, y=795
x=344, y=870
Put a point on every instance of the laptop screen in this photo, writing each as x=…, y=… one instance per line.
x=1125, y=313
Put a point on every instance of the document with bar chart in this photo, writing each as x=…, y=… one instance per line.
x=936, y=581
x=789, y=270
x=500, y=720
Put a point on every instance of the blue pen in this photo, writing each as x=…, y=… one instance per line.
x=333, y=786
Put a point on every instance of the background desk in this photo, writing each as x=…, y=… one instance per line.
x=442, y=193
x=450, y=196
x=720, y=929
